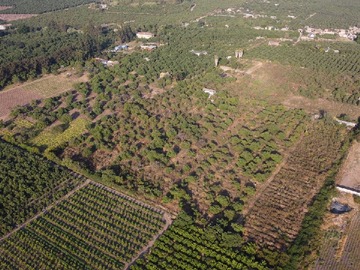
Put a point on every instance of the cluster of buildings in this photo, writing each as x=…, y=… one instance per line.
x=350, y=33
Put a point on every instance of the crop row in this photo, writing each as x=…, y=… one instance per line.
x=348, y=60
x=179, y=248
x=276, y=217
x=92, y=229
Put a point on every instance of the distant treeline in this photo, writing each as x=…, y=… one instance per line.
x=26, y=52
x=36, y=7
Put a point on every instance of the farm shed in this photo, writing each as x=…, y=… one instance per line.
x=339, y=208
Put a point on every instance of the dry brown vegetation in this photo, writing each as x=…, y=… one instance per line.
x=350, y=171
x=15, y=17
x=5, y=7
x=280, y=83
x=276, y=217
x=340, y=245
x=48, y=86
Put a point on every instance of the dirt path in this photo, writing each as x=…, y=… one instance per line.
x=168, y=220
x=254, y=68
x=45, y=210
x=350, y=169
x=312, y=15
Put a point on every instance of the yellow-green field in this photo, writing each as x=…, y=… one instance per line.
x=23, y=123
x=53, y=85
x=51, y=140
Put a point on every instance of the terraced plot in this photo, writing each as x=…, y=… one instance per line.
x=95, y=228
x=275, y=219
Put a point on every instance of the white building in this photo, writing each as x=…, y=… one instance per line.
x=145, y=35
x=211, y=92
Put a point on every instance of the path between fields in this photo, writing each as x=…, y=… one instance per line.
x=168, y=220
x=267, y=183
x=167, y=217
x=254, y=68
x=88, y=181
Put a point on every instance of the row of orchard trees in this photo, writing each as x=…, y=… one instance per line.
x=27, y=183
x=36, y=7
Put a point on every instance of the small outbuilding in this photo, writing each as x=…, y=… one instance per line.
x=339, y=208
x=144, y=35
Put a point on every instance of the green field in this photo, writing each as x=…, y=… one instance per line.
x=52, y=85
x=28, y=183
x=95, y=228
x=35, y=7
x=189, y=247
x=50, y=140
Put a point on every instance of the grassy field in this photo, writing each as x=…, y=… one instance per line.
x=50, y=140
x=52, y=85
x=48, y=86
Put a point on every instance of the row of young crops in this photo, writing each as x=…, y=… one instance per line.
x=190, y=248
x=277, y=215
x=307, y=55
x=93, y=229
x=29, y=183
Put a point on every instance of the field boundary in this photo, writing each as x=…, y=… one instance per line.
x=166, y=216
x=49, y=207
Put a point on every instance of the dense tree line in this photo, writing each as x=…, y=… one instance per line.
x=36, y=7
x=28, y=52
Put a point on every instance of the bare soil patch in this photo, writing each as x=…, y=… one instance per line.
x=349, y=175
x=15, y=17
x=280, y=83
x=314, y=105
x=5, y=7
x=16, y=97
x=47, y=86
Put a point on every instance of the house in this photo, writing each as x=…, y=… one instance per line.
x=148, y=46
x=198, y=53
x=239, y=53
x=121, y=48
x=339, y=208
x=4, y=26
x=346, y=123
x=311, y=35
x=211, y=92
x=350, y=190
x=145, y=35
x=103, y=6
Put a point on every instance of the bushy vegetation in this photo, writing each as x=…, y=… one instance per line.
x=186, y=246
